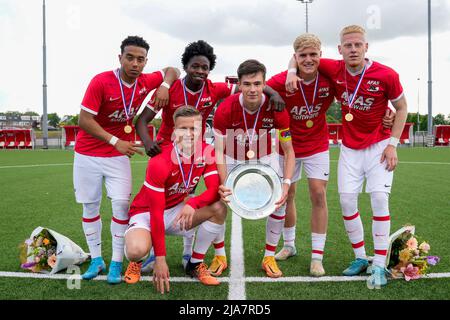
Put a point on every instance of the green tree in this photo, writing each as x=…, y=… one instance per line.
x=439, y=119
x=30, y=113
x=53, y=119
x=334, y=114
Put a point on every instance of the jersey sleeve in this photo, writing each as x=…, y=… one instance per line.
x=223, y=90
x=151, y=103
x=93, y=98
x=282, y=124
x=212, y=182
x=156, y=176
x=220, y=119
x=329, y=67
x=277, y=82
x=153, y=80
x=394, y=88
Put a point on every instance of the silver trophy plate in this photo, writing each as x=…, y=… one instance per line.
x=255, y=188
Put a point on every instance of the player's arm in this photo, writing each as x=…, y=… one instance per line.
x=285, y=139
x=88, y=123
x=162, y=93
x=275, y=98
x=151, y=147
x=390, y=152
x=292, y=79
x=156, y=203
x=219, y=147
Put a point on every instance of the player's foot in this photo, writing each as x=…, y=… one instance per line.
x=200, y=271
x=133, y=273
x=285, y=253
x=377, y=279
x=147, y=265
x=115, y=272
x=356, y=267
x=269, y=265
x=95, y=268
x=218, y=265
x=184, y=260
x=316, y=269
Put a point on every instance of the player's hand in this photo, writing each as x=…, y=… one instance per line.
x=388, y=119
x=153, y=148
x=128, y=148
x=284, y=195
x=390, y=156
x=292, y=82
x=161, y=275
x=161, y=98
x=224, y=192
x=185, y=217
x=277, y=102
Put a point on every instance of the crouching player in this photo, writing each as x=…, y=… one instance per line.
x=162, y=207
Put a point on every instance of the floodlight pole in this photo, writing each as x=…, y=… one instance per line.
x=306, y=7
x=44, y=126
x=418, y=114
x=430, y=96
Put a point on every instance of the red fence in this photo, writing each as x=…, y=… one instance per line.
x=442, y=135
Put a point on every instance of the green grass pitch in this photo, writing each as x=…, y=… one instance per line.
x=36, y=193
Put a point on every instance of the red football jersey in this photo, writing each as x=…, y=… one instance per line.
x=164, y=187
x=306, y=141
x=229, y=122
x=211, y=94
x=103, y=99
x=379, y=85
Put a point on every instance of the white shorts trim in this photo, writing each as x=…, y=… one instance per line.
x=356, y=165
x=317, y=166
x=142, y=221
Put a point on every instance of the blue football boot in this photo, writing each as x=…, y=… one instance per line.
x=115, y=273
x=95, y=268
x=356, y=267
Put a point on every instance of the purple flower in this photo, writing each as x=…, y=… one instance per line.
x=29, y=242
x=27, y=265
x=433, y=260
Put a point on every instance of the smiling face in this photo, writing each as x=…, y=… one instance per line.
x=197, y=70
x=353, y=49
x=188, y=131
x=132, y=62
x=308, y=60
x=252, y=86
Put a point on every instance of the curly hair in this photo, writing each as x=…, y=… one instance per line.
x=134, y=41
x=199, y=48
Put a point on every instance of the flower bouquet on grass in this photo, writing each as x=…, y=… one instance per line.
x=47, y=251
x=409, y=255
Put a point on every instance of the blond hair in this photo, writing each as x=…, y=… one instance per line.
x=307, y=40
x=352, y=29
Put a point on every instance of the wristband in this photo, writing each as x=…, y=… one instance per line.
x=394, y=141
x=113, y=140
x=292, y=70
x=287, y=181
x=166, y=85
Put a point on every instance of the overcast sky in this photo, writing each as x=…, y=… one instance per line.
x=84, y=36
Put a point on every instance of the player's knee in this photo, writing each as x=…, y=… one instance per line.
x=379, y=202
x=120, y=208
x=318, y=197
x=349, y=202
x=220, y=212
x=91, y=210
x=135, y=249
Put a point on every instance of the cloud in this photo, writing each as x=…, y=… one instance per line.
x=278, y=22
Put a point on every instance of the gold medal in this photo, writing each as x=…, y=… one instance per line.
x=349, y=117
x=250, y=154
x=127, y=129
x=309, y=123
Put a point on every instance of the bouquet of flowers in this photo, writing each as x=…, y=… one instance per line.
x=47, y=251
x=409, y=257
x=39, y=252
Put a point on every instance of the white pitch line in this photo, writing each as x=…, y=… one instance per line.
x=6, y=274
x=236, y=290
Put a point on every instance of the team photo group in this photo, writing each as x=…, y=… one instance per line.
x=278, y=121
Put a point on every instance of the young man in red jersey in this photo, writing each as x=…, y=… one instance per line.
x=104, y=144
x=242, y=125
x=307, y=108
x=364, y=89
x=163, y=205
x=197, y=90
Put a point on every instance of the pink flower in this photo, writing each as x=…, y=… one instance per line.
x=410, y=272
x=412, y=243
x=52, y=261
